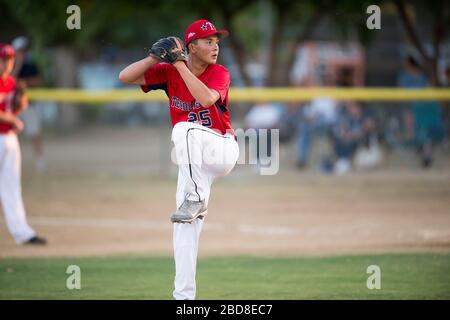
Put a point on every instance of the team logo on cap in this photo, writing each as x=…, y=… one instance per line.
x=6, y=50
x=208, y=25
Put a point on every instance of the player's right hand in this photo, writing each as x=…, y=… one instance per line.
x=170, y=50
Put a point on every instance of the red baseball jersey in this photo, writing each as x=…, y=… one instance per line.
x=183, y=106
x=7, y=88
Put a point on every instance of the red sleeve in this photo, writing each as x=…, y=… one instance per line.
x=220, y=81
x=155, y=76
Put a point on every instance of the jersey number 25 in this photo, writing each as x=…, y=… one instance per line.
x=202, y=117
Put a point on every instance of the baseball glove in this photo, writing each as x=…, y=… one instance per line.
x=170, y=50
x=21, y=88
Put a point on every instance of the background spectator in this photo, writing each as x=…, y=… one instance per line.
x=25, y=69
x=423, y=119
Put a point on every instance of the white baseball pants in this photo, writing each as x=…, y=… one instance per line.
x=10, y=189
x=202, y=155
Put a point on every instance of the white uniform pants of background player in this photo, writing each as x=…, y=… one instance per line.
x=202, y=155
x=10, y=189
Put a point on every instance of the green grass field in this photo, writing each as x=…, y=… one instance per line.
x=403, y=276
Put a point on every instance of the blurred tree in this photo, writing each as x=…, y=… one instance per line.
x=292, y=12
x=228, y=11
x=266, y=30
x=288, y=24
x=118, y=22
x=439, y=15
x=239, y=18
x=346, y=20
x=129, y=23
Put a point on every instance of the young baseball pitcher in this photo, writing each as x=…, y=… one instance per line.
x=205, y=144
x=13, y=101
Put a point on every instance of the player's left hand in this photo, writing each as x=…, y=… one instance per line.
x=170, y=50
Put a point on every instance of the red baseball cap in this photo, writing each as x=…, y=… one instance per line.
x=6, y=50
x=202, y=29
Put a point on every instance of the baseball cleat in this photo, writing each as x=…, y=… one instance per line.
x=189, y=211
x=36, y=240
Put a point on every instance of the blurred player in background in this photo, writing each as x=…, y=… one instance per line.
x=423, y=119
x=26, y=70
x=13, y=101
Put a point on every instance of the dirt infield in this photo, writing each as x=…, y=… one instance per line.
x=101, y=212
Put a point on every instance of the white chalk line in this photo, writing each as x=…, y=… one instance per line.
x=252, y=229
x=155, y=225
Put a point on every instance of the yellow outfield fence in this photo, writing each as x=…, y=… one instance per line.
x=247, y=95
